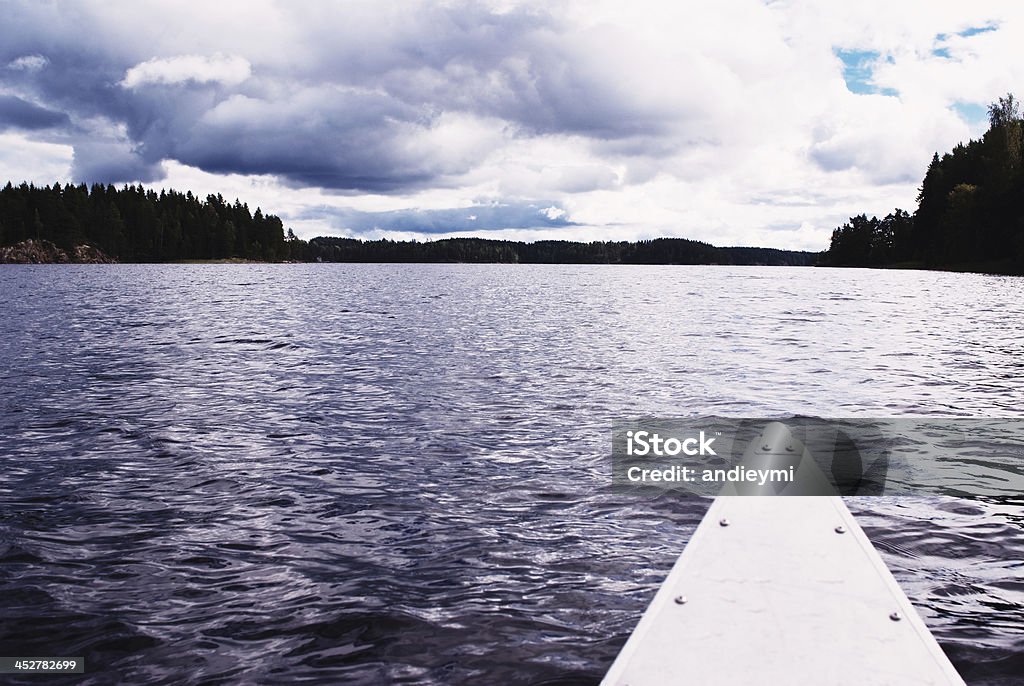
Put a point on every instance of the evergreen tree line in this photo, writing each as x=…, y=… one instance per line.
x=970, y=209
x=133, y=224
x=656, y=251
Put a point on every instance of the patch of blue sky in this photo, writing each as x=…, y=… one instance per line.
x=941, y=39
x=971, y=112
x=858, y=72
x=975, y=30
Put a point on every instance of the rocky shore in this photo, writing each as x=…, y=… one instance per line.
x=34, y=251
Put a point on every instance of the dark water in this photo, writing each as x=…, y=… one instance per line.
x=378, y=474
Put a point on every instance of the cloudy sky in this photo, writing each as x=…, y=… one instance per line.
x=737, y=122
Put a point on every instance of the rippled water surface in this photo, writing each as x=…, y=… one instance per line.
x=399, y=473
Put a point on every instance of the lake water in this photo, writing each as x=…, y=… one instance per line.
x=400, y=473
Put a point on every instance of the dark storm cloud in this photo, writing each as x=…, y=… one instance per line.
x=112, y=162
x=21, y=114
x=65, y=61
x=317, y=138
x=455, y=220
x=363, y=106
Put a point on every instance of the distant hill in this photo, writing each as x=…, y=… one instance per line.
x=656, y=251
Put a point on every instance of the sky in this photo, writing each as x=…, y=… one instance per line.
x=736, y=122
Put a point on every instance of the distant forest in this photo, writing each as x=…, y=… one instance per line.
x=970, y=212
x=656, y=251
x=133, y=224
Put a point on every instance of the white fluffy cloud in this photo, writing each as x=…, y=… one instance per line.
x=33, y=161
x=229, y=70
